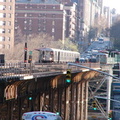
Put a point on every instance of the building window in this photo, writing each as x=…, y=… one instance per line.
x=9, y=30
x=2, y=23
x=25, y=28
x=2, y=7
x=25, y=21
x=8, y=38
x=9, y=7
x=2, y=30
x=44, y=21
x=44, y=29
x=39, y=29
x=16, y=20
x=16, y=6
x=2, y=46
x=8, y=46
x=26, y=7
x=2, y=38
x=30, y=21
x=25, y=15
x=9, y=23
x=53, y=22
x=1, y=15
x=44, y=15
x=4, y=15
x=16, y=14
x=53, y=36
x=53, y=30
x=9, y=15
x=53, y=7
x=44, y=7
x=30, y=35
x=16, y=27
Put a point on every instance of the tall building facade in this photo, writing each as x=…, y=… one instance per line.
x=88, y=11
x=71, y=21
x=7, y=10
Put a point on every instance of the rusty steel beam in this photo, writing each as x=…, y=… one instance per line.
x=51, y=94
x=77, y=116
x=67, y=103
x=81, y=101
x=86, y=101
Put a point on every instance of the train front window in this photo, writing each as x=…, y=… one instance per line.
x=46, y=53
x=48, y=56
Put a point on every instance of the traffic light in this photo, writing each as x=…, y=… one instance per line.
x=94, y=105
x=30, y=97
x=30, y=57
x=68, y=76
x=110, y=115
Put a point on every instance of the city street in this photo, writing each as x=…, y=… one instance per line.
x=96, y=46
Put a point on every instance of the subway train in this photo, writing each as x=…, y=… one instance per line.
x=40, y=115
x=49, y=55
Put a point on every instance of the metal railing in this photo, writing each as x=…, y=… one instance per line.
x=24, y=69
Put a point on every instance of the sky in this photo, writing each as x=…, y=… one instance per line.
x=113, y=4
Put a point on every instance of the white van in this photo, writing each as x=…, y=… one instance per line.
x=101, y=40
x=40, y=115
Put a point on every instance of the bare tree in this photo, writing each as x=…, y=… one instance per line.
x=33, y=42
x=36, y=41
x=100, y=24
x=19, y=37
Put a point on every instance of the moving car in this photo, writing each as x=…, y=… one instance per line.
x=101, y=40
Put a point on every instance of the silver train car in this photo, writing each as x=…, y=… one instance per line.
x=48, y=55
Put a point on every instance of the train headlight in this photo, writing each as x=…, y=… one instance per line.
x=50, y=58
x=44, y=58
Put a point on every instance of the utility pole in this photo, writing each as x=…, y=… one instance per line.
x=25, y=54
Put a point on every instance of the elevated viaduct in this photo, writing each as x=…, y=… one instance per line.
x=43, y=87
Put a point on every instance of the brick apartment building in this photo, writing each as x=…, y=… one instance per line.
x=60, y=19
x=51, y=17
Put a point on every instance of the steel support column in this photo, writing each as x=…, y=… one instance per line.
x=67, y=103
x=42, y=101
x=82, y=101
x=86, y=101
x=78, y=95
x=59, y=101
x=73, y=102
